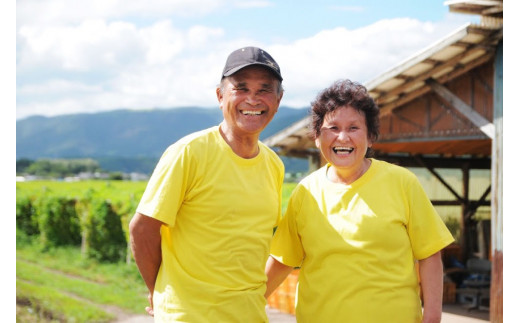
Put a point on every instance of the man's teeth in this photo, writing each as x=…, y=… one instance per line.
x=254, y=113
x=343, y=150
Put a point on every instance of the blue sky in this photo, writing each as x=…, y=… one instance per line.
x=100, y=55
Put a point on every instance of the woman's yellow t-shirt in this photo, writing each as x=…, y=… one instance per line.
x=356, y=245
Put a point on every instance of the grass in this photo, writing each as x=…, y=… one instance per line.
x=60, y=284
x=53, y=305
x=286, y=193
x=116, y=190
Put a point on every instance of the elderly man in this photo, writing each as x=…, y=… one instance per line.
x=202, y=230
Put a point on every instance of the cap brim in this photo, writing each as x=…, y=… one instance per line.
x=238, y=68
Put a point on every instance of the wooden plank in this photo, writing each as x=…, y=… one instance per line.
x=454, y=101
x=388, y=107
x=452, y=63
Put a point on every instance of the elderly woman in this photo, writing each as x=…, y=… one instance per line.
x=357, y=226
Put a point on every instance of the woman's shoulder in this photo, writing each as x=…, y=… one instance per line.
x=394, y=172
x=392, y=168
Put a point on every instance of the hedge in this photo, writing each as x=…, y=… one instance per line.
x=90, y=222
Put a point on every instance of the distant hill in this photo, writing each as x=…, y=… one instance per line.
x=127, y=140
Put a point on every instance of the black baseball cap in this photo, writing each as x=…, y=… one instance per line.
x=247, y=56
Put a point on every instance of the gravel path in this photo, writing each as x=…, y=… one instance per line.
x=273, y=315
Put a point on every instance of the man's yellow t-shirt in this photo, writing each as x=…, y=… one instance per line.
x=220, y=210
x=357, y=245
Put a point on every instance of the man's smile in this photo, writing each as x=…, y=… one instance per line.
x=252, y=112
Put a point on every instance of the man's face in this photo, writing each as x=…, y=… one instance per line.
x=249, y=100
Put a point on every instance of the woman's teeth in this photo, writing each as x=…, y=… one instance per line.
x=343, y=150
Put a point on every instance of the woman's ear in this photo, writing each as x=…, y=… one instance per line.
x=317, y=142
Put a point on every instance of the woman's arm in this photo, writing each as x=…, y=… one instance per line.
x=276, y=273
x=431, y=272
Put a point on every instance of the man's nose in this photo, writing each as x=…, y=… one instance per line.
x=252, y=98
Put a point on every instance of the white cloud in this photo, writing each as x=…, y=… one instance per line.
x=311, y=64
x=162, y=42
x=201, y=36
x=103, y=63
x=54, y=87
x=93, y=44
x=37, y=12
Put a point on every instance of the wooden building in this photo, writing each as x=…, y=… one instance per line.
x=440, y=109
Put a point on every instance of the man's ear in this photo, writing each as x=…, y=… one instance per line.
x=219, y=96
x=280, y=98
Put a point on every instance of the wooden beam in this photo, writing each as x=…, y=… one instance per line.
x=410, y=122
x=457, y=203
x=453, y=62
x=454, y=101
x=387, y=107
x=439, y=162
x=439, y=177
x=479, y=203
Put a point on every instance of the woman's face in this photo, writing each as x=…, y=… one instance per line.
x=344, y=141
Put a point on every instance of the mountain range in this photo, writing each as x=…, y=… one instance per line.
x=128, y=140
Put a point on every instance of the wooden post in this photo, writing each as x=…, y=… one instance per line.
x=467, y=223
x=496, y=299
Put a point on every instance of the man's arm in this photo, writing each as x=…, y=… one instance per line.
x=431, y=272
x=276, y=273
x=145, y=242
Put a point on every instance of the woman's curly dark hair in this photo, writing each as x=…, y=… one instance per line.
x=344, y=93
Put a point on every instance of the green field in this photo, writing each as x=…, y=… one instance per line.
x=121, y=193
x=60, y=284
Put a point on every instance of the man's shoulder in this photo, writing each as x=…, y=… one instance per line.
x=201, y=136
x=270, y=153
x=193, y=142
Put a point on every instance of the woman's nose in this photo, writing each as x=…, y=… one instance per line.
x=343, y=135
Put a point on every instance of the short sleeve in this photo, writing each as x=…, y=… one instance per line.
x=428, y=233
x=286, y=246
x=167, y=186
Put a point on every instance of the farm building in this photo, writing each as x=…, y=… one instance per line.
x=442, y=110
